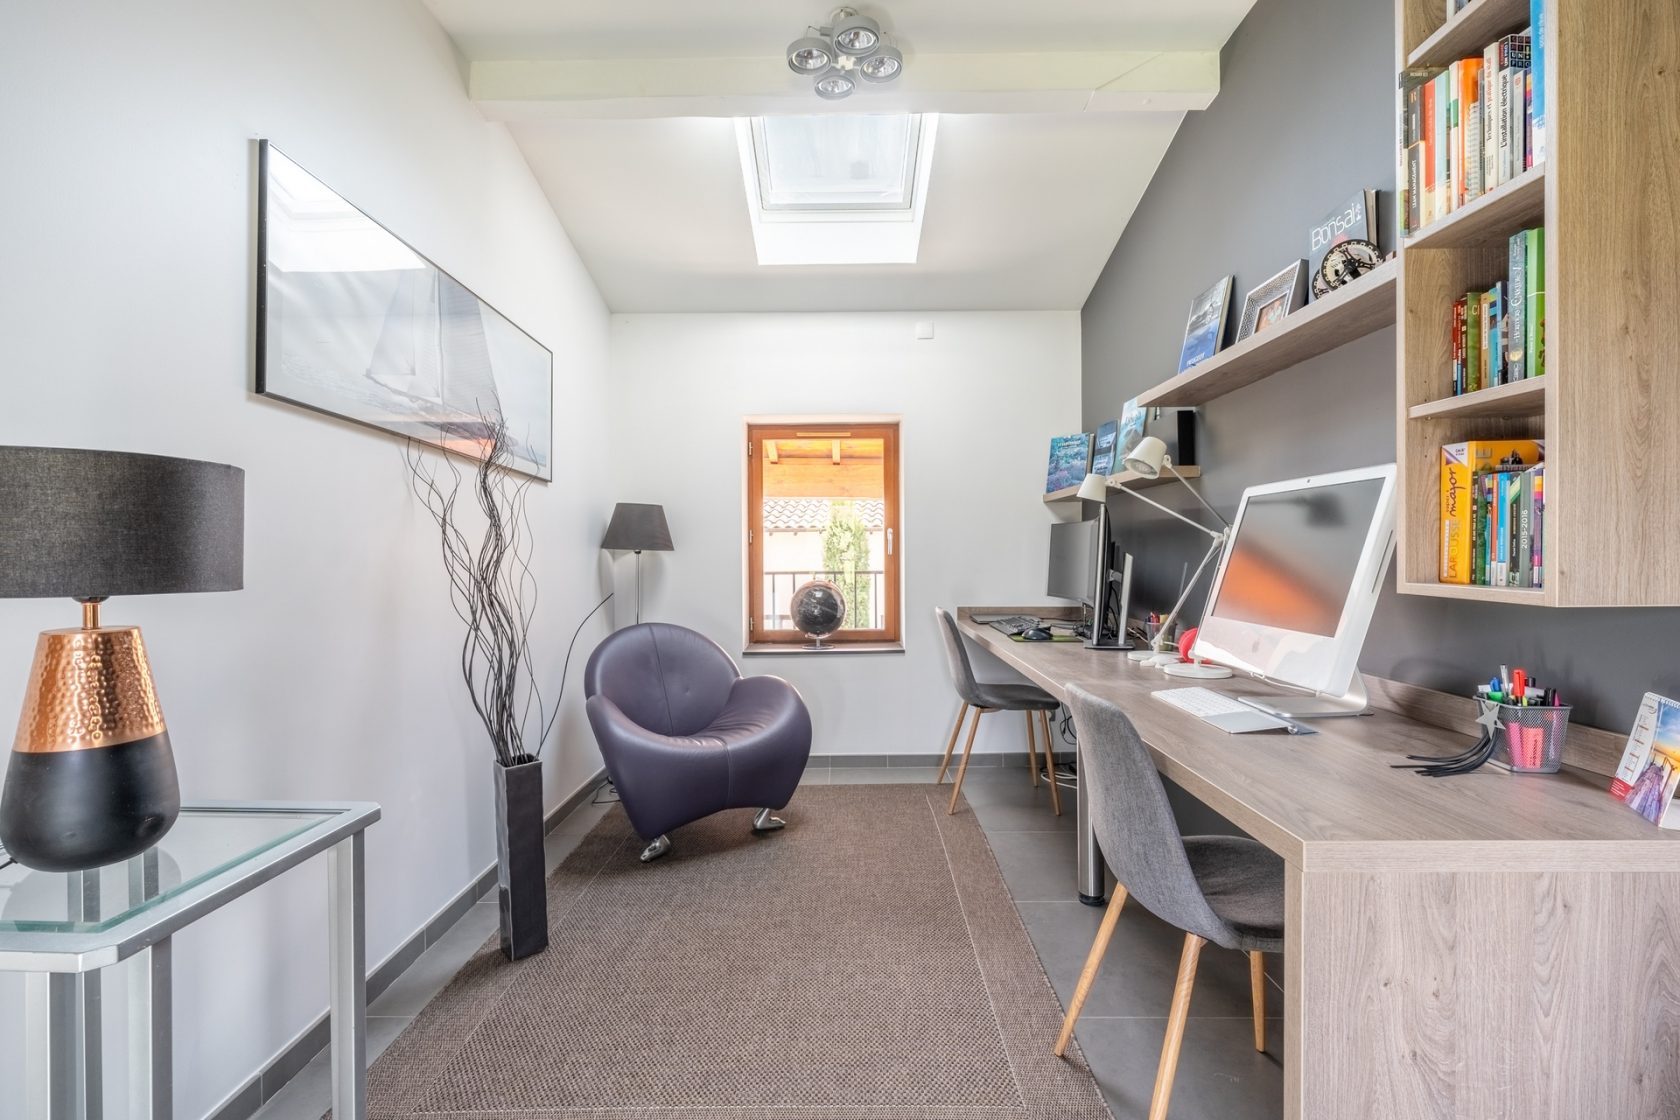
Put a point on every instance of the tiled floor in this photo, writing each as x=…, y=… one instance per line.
x=1220, y=1076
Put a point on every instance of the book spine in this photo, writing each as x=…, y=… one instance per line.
x=1513, y=529
x=1469, y=153
x=1413, y=210
x=1534, y=316
x=1472, y=342
x=1540, y=525
x=1528, y=119
x=1516, y=300
x=1502, y=526
x=1488, y=84
x=1438, y=144
x=1525, y=530
x=1428, y=205
x=1458, y=347
x=1502, y=137
x=1496, y=334
x=1455, y=135
x=1457, y=526
x=1478, y=529
x=1537, y=54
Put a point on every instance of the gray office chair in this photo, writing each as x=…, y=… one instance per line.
x=986, y=697
x=1223, y=889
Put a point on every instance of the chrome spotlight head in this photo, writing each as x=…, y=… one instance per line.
x=810, y=55
x=856, y=35
x=882, y=66
x=835, y=86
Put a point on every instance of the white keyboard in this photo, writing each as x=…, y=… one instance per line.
x=1201, y=702
x=1223, y=712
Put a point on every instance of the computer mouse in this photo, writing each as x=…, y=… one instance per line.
x=1036, y=634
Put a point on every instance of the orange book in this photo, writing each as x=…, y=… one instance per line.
x=1467, y=143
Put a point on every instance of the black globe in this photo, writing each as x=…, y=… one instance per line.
x=818, y=608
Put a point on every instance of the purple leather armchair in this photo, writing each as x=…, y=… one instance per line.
x=684, y=735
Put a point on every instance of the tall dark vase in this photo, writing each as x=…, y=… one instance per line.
x=522, y=883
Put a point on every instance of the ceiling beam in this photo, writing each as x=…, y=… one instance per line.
x=1019, y=82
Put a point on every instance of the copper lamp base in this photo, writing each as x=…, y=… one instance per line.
x=91, y=779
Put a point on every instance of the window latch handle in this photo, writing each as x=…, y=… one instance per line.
x=889, y=542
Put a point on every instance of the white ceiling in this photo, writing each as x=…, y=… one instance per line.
x=1024, y=207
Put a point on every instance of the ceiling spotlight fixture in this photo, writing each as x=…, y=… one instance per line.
x=852, y=46
x=835, y=85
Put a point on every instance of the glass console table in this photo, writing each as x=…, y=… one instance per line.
x=60, y=930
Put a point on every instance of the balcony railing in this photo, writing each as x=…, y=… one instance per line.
x=780, y=586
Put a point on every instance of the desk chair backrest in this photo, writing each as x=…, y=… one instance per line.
x=665, y=678
x=956, y=658
x=1134, y=822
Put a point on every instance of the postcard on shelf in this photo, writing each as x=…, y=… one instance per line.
x=1103, y=459
x=1650, y=771
x=1070, y=459
x=1131, y=431
x=1354, y=220
x=1205, y=332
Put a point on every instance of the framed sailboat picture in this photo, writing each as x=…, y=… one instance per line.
x=354, y=322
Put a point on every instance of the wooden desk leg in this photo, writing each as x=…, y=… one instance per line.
x=1293, y=1045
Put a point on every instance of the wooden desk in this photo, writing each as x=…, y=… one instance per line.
x=1484, y=946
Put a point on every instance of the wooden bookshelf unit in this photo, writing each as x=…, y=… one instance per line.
x=1608, y=405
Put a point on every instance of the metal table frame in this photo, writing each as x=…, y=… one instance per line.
x=63, y=1075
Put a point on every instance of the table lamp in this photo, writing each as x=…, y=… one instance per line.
x=1147, y=460
x=638, y=526
x=91, y=779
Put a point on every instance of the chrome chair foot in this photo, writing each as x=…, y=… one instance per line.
x=656, y=849
x=764, y=822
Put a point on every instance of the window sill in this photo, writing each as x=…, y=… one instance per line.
x=776, y=649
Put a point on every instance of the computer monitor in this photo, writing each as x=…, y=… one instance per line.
x=1073, y=557
x=1079, y=551
x=1297, y=583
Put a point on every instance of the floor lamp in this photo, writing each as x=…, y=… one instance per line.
x=638, y=527
x=1147, y=460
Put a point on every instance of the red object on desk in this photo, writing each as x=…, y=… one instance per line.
x=1186, y=643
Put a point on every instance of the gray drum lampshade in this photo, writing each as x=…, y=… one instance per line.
x=638, y=527
x=91, y=524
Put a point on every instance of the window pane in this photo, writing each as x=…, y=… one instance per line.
x=837, y=161
x=823, y=517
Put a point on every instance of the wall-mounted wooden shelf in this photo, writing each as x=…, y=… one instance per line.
x=1517, y=596
x=1606, y=407
x=1492, y=218
x=1366, y=305
x=1466, y=33
x=1129, y=479
x=1520, y=398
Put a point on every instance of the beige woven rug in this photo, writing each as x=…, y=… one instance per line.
x=866, y=963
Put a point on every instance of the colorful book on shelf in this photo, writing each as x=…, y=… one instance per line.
x=1534, y=308
x=1102, y=458
x=1464, y=468
x=1649, y=773
x=1516, y=304
x=1537, y=81
x=1070, y=460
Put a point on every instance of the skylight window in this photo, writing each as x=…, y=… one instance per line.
x=836, y=162
x=837, y=188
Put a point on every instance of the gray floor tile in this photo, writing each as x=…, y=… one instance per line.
x=881, y=775
x=1005, y=800
x=816, y=776
x=309, y=1094
x=1220, y=1075
x=1037, y=866
x=1141, y=964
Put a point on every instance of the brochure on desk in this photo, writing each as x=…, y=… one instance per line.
x=1650, y=771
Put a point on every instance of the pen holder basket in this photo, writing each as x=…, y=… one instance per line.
x=1530, y=740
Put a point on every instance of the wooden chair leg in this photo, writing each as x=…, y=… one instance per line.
x=944, y=763
x=1032, y=750
x=1050, y=765
x=1174, y=1041
x=1093, y=962
x=1257, y=985
x=968, y=753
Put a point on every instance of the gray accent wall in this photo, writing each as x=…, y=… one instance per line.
x=1305, y=118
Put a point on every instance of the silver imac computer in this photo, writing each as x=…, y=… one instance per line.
x=1296, y=586
x=1080, y=553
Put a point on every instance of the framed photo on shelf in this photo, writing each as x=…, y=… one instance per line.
x=1268, y=304
x=1204, y=334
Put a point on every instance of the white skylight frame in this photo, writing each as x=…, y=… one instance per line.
x=836, y=234
x=886, y=209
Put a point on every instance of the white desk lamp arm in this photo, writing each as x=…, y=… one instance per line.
x=1217, y=534
x=1218, y=546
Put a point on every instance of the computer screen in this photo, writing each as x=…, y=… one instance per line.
x=1073, y=552
x=1299, y=578
x=1293, y=561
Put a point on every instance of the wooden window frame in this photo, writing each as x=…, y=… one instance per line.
x=892, y=576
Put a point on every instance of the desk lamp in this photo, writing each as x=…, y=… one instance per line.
x=636, y=526
x=1146, y=460
x=91, y=779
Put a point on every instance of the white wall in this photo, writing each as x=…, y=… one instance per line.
x=978, y=404
x=125, y=310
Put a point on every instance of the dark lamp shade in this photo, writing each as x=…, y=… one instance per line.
x=638, y=527
x=91, y=524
